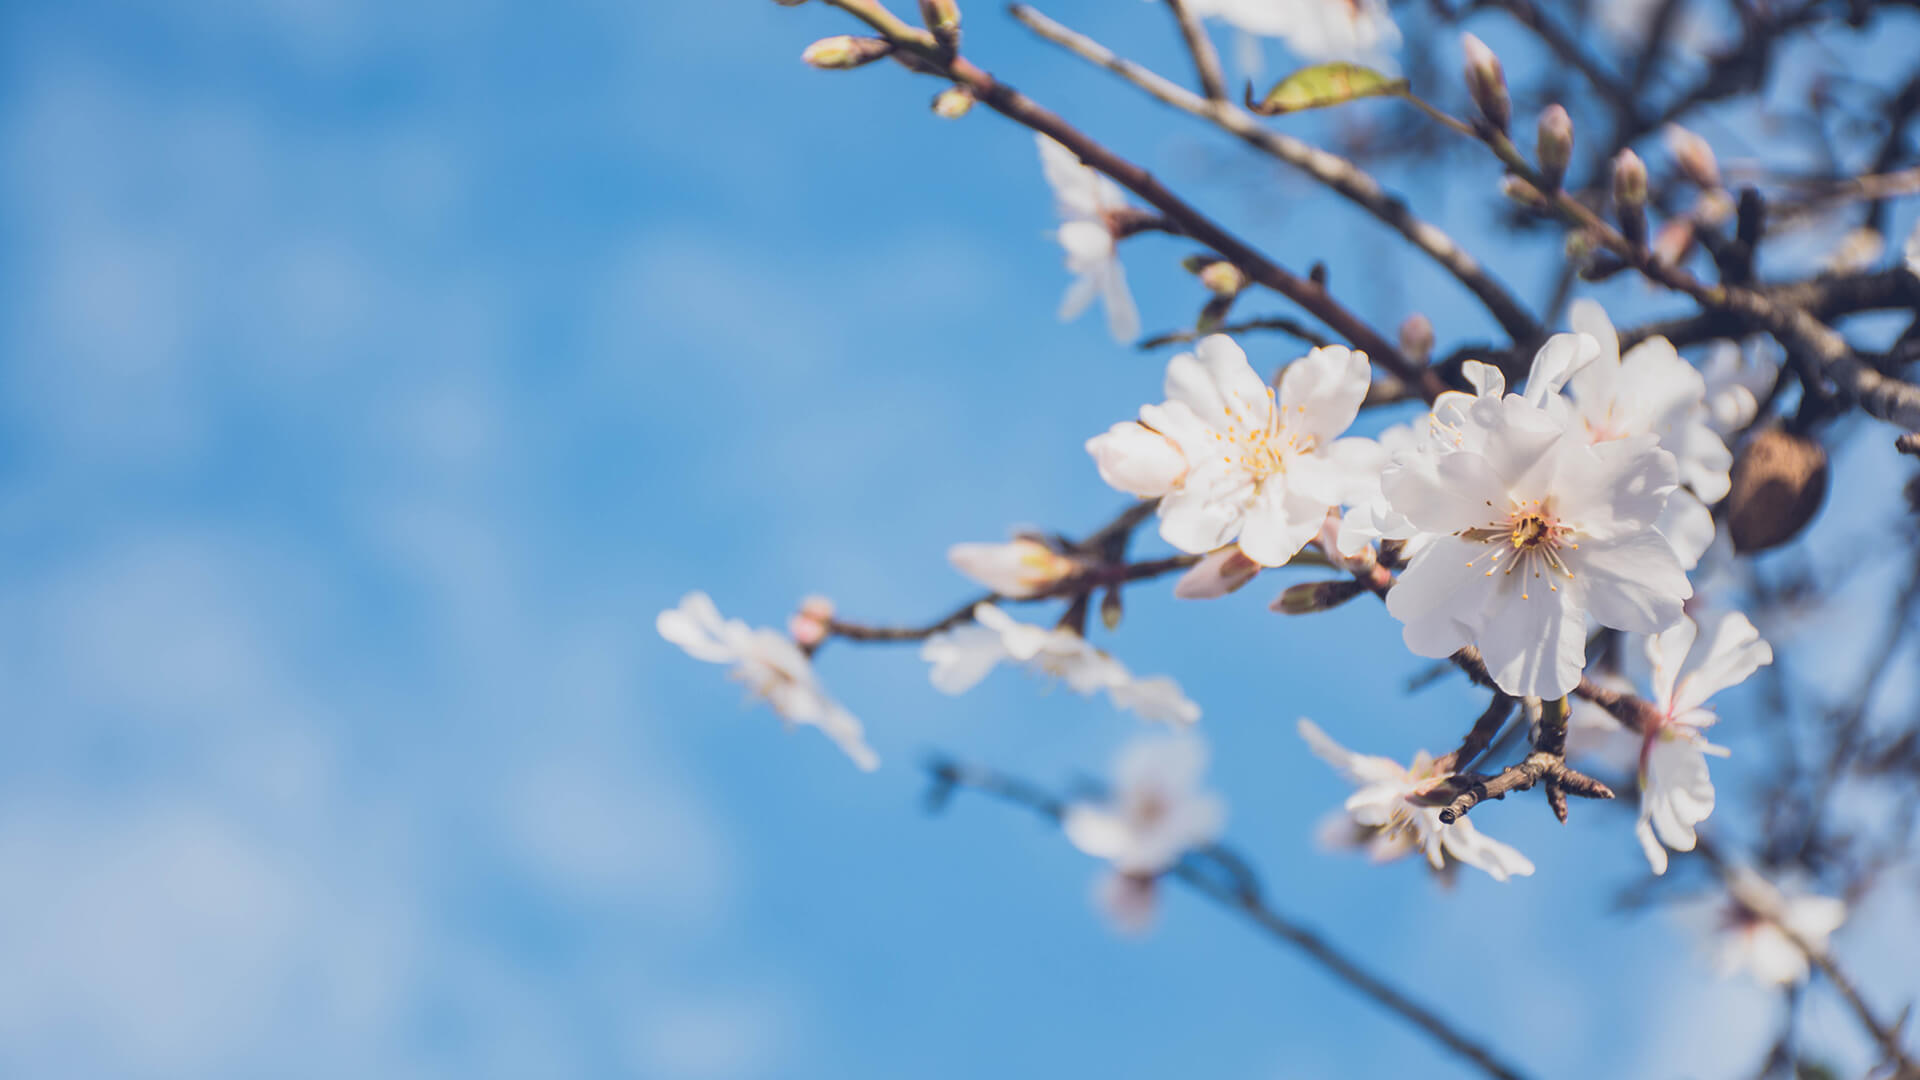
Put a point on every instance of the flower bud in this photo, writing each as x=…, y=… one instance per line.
x=1673, y=241
x=789, y=3
x=1020, y=568
x=952, y=103
x=1694, y=157
x=1223, y=278
x=1110, y=609
x=1216, y=575
x=1416, y=338
x=809, y=625
x=1630, y=196
x=1555, y=148
x=844, y=51
x=1312, y=596
x=1486, y=82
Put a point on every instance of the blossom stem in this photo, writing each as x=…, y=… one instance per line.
x=1223, y=876
x=1206, y=62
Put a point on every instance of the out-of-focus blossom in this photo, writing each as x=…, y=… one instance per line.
x=1229, y=461
x=1020, y=568
x=770, y=665
x=809, y=626
x=1748, y=935
x=1088, y=204
x=962, y=656
x=1314, y=30
x=1529, y=529
x=1676, y=792
x=1386, y=807
x=1157, y=811
x=1735, y=386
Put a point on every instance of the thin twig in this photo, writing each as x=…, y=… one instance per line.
x=1241, y=894
x=1206, y=62
x=1336, y=172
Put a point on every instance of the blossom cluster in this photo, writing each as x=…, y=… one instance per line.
x=1506, y=527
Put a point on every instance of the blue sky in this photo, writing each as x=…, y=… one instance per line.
x=374, y=373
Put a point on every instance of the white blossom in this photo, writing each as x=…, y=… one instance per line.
x=1314, y=30
x=1735, y=386
x=1676, y=792
x=1387, y=804
x=771, y=666
x=1156, y=812
x=1229, y=461
x=1652, y=390
x=1528, y=529
x=1087, y=203
x=962, y=656
x=1749, y=937
x=1020, y=568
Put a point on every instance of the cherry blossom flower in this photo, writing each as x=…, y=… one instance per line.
x=1527, y=530
x=1386, y=805
x=1021, y=568
x=1749, y=936
x=1156, y=813
x=962, y=656
x=1314, y=30
x=1230, y=462
x=1089, y=204
x=771, y=666
x=1676, y=792
x=1651, y=390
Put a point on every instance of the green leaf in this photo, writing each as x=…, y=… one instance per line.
x=1322, y=85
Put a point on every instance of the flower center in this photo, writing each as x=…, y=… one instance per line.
x=1529, y=539
x=1261, y=448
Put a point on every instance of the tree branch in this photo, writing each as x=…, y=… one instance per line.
x=1240, y=893
x=1337, y=173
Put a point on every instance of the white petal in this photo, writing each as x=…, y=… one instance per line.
x=1634, y=583
x=1123, y=319
x=962, y=656
x=1470, y=846
x=1217, y=574
x=1321, y=392
x=1078, y=297
x=696, y=627
x=1533, y=639
x=1278, y=524
x=1731, y=652
x=1137, y=460
x=1688, y=526
x=1198, y=521
x=1563, y=356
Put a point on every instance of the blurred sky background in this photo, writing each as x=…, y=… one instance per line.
x=373, y=374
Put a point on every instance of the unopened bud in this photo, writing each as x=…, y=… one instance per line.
x=1416, y=338
x=1694, y=157
x=1486, y=82
x=1020, y=568
x=1223, y=278
x=1110, y=610
x=952, y=103
x=1555, y=148
x=1673, y=241
x=789, y=3
x=941, y=16
x=1630, y=196
x=1305, y=599
x=809, y=625
x=843, y=51
x=1216, y=575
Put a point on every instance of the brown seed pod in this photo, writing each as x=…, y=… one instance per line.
x=1779, y=482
